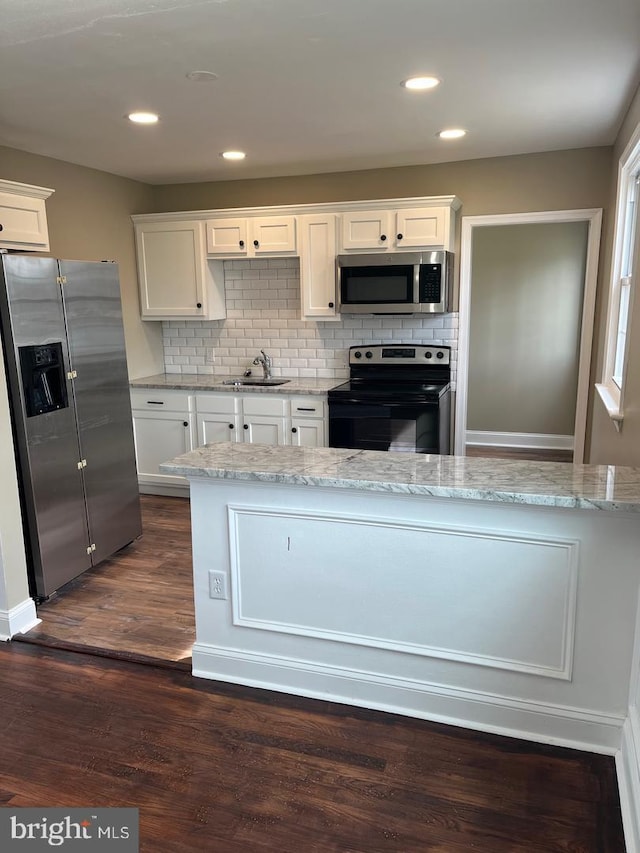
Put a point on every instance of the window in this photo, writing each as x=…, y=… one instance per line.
x=624, y=273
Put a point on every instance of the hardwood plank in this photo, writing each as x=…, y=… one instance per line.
x=139, y=602
x=223, y=768
x=529, y=454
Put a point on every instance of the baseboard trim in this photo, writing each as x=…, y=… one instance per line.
x=167, y=491
x=542, y=723
x=628, y=771
x=524, y=440
x=18, y=620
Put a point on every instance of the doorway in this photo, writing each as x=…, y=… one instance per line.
x=524, y=323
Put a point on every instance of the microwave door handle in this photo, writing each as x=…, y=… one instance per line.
x=416, y=284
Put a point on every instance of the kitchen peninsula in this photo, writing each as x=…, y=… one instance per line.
x=493, y=594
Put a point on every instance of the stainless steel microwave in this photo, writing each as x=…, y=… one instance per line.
x=397, y=283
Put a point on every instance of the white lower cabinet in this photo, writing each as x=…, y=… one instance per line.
x=218, y=417
x=308, y=422
x=169, y=423
x=163, y=427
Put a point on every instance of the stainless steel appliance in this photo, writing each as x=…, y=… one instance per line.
x=398, y=398
x=68, y=386
x=396, y=283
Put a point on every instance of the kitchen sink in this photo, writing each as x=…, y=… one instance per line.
x=261, y=382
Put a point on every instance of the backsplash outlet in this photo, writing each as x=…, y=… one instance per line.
x=263, y=312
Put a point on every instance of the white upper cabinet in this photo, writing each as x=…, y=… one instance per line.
x=395, y=230
x=318, y=266
x=23, y=217
x=253, y=237
x=176, y=280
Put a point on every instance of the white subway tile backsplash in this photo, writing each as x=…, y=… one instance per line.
x=263, y=312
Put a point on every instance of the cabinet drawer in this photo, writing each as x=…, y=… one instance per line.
x=264, y=404
x=307, y=407
x=156, y=399
x=222, y=404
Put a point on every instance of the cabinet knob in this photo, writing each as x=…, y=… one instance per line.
x=294, y=429
x=246, y=426
x=383, y=237
x=241, y=244
x=399, y=236
x=331, y=305
x=185, y=423
x=256, y=243
x=1, y=227
x=198, y=304
x=230, y=426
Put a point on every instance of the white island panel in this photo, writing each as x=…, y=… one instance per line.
x=484, y=597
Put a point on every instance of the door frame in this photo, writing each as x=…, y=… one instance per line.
x=593, y=216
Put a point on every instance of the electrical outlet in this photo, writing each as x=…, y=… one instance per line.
x=210, y=356
x=217, y=585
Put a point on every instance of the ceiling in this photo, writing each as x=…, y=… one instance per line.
x=309, y=86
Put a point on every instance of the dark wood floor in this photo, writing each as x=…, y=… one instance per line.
x=523, y=454
x=138, y=603
x=226, y=769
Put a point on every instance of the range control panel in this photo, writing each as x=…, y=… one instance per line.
x=399, y=354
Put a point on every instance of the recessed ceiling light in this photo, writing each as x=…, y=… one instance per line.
x=202, y=76
x=143, y=118
x=452, y=133
x=420, y=84
x=233, y=155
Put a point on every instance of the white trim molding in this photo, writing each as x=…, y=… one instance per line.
x=594, y=218
x=18, y=620
x=532, y=440
x=540, y=722
x=628, y=771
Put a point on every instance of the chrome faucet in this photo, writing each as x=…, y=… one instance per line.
x=265, y=361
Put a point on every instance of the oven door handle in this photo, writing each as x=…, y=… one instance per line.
x=350, y=401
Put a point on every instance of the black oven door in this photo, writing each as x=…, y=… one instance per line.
x=419, y=427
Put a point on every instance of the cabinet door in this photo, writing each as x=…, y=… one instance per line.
x=265, y=429
x=318, y=277
x=227, y=237
x=307, y=432
x=367, y=229
x=171, y=269
x=218, y=427
x=23, y=223
x=420, y=228
x=273, y=235
x=159, y=437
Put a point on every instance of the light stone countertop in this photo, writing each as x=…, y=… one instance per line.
x=552, y=484
x=193, y=382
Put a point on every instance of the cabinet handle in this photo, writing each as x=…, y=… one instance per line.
x=198, y=304
x=246, y=426
x=305, y=408
x=230, y=426
x=399, y=236
x=185, y=423
x=241, y=244
x=331, y=305
x=383, y=237
x=256, y=243
x=294, y=429
x=155, y=402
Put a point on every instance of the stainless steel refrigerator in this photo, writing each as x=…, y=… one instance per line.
x=64, y=352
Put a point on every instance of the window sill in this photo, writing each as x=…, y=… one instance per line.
x=612, y=403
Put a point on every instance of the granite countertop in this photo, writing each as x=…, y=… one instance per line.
x=193, y=382
x=554, y=484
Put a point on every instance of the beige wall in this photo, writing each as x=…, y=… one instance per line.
x=609, y=447
x=89, y=219
x=556, y=181
x=526, y=308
